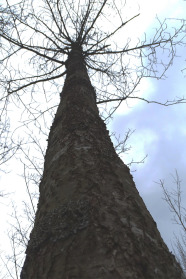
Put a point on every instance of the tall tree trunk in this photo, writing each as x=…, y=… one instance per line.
x=91, y=222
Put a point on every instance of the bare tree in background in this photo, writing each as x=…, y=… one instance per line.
x=174, y=200
x=90, y=221
x=7, y=147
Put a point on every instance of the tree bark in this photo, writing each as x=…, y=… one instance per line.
x=91, y=222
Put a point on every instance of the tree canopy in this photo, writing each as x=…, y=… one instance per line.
x=36, y=38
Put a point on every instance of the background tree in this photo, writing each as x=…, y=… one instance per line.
x=58, y=41
x=8, y=147
x=174, y=200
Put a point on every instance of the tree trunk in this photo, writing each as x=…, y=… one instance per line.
x=91, y=222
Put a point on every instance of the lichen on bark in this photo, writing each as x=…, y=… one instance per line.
x=60, y=223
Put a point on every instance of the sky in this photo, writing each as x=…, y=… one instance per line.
x=160, y=133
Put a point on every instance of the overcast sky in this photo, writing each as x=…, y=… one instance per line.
x=160, y=132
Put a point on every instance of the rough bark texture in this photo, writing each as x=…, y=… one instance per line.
x=91, y=222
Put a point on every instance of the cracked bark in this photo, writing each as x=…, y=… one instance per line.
x=91, y=222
